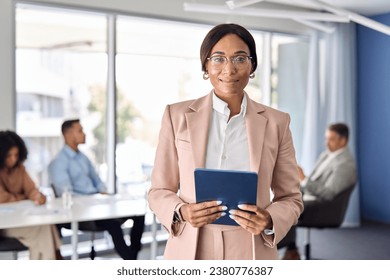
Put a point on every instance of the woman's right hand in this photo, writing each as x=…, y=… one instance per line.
x=40, y=199
x=202, y=213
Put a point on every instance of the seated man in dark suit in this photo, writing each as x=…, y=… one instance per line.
x=72, y=168
x=334, y=171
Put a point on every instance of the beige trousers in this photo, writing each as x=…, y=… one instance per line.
x=218, y=242
x=42, y=241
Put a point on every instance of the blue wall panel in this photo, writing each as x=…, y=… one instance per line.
x=374, y=121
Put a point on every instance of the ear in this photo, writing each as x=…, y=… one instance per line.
x=344, y=141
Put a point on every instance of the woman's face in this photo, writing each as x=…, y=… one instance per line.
x=229, y=78
x=12, y=157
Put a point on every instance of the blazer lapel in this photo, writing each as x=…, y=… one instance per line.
x=255, y=125
x=320, y=160
x=198, y=121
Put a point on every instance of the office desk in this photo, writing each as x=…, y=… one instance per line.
x=85, y=208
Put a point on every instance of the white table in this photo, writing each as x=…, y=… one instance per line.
x=85, y=208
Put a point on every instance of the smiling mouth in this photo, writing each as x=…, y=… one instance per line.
x=228, y=81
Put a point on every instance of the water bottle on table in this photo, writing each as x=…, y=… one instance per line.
x=67, y=198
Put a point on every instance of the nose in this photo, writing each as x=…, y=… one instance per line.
x=229, y=66
x=12, y=161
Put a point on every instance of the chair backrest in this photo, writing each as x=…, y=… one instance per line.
x=326, y=213
x=53, y=187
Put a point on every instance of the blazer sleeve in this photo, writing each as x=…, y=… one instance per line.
x=287, y=204
x=6, y=196
x=163, y=194
x=342, y=176
x=26, y=186
x=30, y=190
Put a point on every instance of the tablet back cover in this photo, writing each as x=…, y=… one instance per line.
x=229, y=186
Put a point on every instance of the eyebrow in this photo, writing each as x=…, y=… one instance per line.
x=222, y=53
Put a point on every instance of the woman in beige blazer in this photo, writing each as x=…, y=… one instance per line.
x=225, y=130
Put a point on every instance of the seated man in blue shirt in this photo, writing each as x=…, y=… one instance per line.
x=73, y=168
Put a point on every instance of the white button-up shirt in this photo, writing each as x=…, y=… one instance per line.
x=227, y=146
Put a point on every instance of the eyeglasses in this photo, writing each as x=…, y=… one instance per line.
x=221, y=61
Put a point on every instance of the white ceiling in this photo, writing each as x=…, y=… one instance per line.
x=280, y=14
x=364, y=7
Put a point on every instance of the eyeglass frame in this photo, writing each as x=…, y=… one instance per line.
x=232, y=59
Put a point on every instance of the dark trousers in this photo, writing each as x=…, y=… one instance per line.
x=289, y=240
x=307, y=215
x=136, y=232
x=113, y=226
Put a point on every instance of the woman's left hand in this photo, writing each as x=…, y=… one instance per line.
x=254, y=222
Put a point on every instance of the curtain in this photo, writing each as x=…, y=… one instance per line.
x=331, y=97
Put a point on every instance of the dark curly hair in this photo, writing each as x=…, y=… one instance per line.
x=8, y=140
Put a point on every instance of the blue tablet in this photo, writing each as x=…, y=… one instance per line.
x=229, y=186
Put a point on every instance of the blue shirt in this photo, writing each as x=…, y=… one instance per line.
x=74, y=170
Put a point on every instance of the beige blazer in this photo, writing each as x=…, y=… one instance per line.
x=182, y=148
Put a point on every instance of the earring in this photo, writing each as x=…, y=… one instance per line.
x=205, y=76
x=252, y=75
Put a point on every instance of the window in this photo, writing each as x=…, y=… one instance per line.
x=157, y=64
x=61, y=66
x=289, y=81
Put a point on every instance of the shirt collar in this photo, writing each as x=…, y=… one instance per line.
x=222, y=107
x=69, y=151
x=337, y=152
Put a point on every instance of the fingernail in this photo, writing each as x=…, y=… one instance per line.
x=223, y=214
x=231, y=217
x=224, y=208
x=219, y=202
x=240, y=206
x=232, y=211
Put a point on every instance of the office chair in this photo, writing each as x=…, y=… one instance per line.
x=10, y=244
x=325, y=214
x=87, y=226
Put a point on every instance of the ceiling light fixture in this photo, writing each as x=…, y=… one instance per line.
x=233, y=4
x=270, y=13
x=356, y=18
x=333, y=14
x=317, y=25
